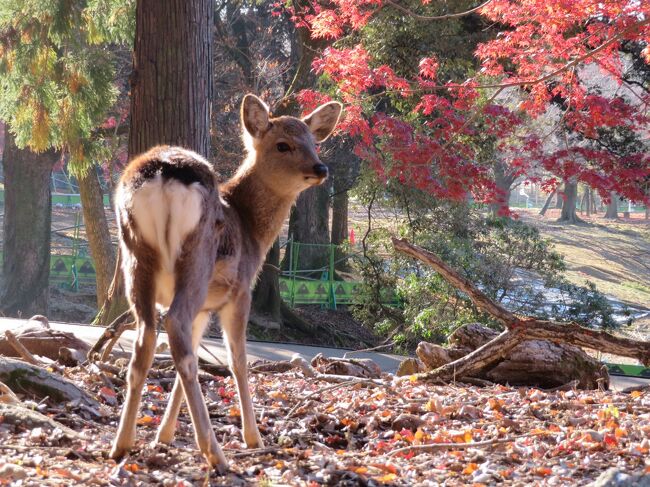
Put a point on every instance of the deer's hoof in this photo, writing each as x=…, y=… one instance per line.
x=254, y=441
x=119, y=452
x=218, y=462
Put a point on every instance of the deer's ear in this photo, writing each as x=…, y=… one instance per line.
x=254, y=116
x=322, y=121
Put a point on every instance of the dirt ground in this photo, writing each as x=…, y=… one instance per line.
x=317, y=433
x=613, y=254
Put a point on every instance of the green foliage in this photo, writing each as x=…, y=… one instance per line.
x=57, y=72
x=507, y=259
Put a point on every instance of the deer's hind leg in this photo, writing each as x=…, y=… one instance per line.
x=140, y=287
x=192, y=277
x=167, y=427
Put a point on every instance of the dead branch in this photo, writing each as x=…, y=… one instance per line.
x=518, y=328
x=118, y=333
x=115, y=329
x=25, y=354
x=7, y=396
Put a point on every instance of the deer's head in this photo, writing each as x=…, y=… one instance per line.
x=283, y=149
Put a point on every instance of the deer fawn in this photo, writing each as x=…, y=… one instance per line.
x=195, y=247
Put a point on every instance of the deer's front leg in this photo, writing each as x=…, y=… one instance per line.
x=234, y=318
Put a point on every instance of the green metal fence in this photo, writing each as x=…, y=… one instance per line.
x=302, y=285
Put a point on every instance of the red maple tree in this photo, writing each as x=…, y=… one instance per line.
x=545, y=50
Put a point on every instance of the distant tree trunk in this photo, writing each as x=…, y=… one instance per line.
x=340, y=231
x=309, y=224
x=171, y=89
x=345, y=166
x=503, y=181
x=569, y=214
x=27, y=227
x=559, y=201
x=586, y=201
x=612, y=208
x=313, y=198
x=309, y=219
x=99, y=237
x=547, y=204
x=267, y=290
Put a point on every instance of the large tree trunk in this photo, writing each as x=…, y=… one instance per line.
x=309, y=219
x=172, y=73
x=171, y=89
x=612, y=207
x=97, y=232
x=27, y=227
x=569, y=214
x=344, y=165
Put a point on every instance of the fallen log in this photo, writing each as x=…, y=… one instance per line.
x=539, y=363
x=517, y=329
x=36, y=382
x=37, y=338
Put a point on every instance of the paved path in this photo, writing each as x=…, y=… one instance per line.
x=256, y=349
x=260, y=350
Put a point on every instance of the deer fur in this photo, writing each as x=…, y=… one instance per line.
x=195, y=247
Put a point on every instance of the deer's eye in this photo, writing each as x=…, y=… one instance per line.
x=283, y=147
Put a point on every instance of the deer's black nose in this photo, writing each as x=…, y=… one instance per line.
x=320, y=170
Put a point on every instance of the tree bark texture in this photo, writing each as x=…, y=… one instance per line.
x=568, y=214
x=612, y=208
x=518, y=329
x=172, y=73
x=27, y=230
x=171, y=90
x=97, y=232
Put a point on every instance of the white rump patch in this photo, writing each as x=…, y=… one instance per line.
x=165, y=212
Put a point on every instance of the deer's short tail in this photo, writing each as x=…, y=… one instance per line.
x=162, y=197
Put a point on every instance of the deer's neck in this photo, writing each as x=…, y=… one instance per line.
x=261, y=210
